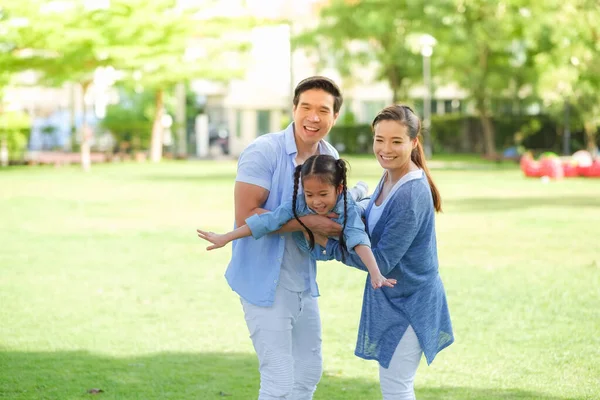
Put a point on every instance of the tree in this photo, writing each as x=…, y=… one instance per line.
x=570, y=71
x=66, y=41
x=369, y=32
x=483, y=47
x=177, y=47
x=148, y=42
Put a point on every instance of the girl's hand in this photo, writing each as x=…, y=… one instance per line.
x=216, y=239
x=380, y=280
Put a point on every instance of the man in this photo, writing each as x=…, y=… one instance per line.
x=274, y=279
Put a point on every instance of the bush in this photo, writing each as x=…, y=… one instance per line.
x=453, y=133
x=130, y=121
x=351, y=139
x=15, y=128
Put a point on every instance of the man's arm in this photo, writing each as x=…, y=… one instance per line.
x=316, y=223
x=249, y=200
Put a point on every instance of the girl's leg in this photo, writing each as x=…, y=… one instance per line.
x=397, y=381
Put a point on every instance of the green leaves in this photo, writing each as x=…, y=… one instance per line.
x=67, y=41
x=368, y=33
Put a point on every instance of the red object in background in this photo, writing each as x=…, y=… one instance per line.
x=582, y=170
x=530, y=167
x=570, y=169
x=551, y=167
x=592, y=171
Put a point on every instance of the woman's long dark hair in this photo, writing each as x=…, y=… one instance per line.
x=407, y=117
x=330, y=171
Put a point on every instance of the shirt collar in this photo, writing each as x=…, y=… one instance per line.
x=290, y=141
x=337, y=209
x=339, y=205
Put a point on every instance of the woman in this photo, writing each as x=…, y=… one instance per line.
x=400, y=323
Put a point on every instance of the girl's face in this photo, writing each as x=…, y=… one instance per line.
x=392, y=145
x=320, y=196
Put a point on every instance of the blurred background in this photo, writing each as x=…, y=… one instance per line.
x=127, y=79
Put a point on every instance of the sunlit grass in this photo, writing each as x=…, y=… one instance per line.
x=103, y=284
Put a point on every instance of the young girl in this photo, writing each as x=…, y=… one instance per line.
x=325, y=192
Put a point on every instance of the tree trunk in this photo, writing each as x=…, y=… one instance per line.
x=394, y=96
x=489, y=134
x=590, y=137
x=180, y=119
x=157, y=128
x=72, y=119
x=86, y=132
x=489, y=146
x=395, y=82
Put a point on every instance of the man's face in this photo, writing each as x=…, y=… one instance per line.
x=314, y=116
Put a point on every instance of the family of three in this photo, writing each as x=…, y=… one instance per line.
x=293, y=208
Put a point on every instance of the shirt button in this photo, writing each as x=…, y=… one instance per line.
x=324, y=252
x=275, y=281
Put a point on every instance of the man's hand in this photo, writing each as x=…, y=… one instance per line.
x=322, y=225
x=321, y=240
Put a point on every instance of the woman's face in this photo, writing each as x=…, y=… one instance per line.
x=392, y=145
x=320, y=196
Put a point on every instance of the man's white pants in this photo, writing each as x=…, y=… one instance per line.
x=397, y=381
x=287, y=341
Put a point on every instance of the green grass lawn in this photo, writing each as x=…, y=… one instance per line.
x=104, y=284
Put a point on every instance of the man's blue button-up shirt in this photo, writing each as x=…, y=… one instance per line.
x=268, y=162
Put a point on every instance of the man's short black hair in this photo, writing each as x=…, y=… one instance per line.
x=323, y=83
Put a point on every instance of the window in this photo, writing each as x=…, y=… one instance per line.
x=370, y=110
x=238, y=123
x=418, y=107
x=448, y=107
x=263, y=122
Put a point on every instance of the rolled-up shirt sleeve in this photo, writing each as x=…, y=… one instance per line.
x=255, y=166
x=262, y=224
x=354, y=233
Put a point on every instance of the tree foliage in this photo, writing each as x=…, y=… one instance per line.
x=153, y=44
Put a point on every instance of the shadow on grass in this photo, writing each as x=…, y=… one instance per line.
x=69, y=375
x=504, y=204
x=465, y=393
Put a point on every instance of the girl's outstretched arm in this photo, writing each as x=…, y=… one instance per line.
x=367, y=257
x=219, y=240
